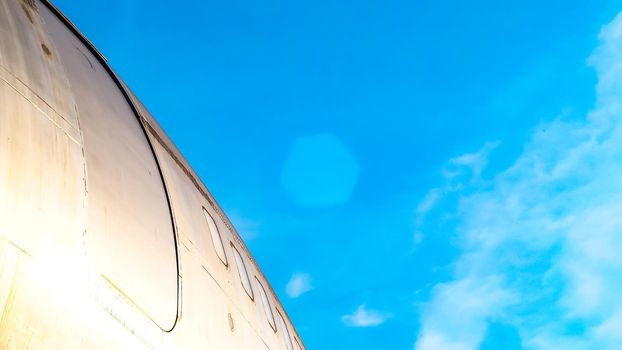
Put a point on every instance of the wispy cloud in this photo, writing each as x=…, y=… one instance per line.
x=470, y=164
x=298, y=284
x=541, y=240
x=464, y=168
x=362, y=317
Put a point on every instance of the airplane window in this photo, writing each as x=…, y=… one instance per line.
x=216, y=239
x=266, y=305
x=246, y=283
x=288, y=340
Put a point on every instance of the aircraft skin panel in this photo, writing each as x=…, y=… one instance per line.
x=26, y=53
x=129, y=226
x=103, y=239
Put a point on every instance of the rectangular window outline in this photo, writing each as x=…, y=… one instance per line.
x=267, y=307
x=243, y=272
x=216, y=237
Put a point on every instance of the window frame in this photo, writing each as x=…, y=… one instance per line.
x=298, y=346
x=208, y=218
x=239, y=260
x=286, y=335
x=267, y=307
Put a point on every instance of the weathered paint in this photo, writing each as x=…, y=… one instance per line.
x=103, y=239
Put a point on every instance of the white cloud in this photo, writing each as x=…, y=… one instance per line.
x=469, y=166
x=470, y=163
x=471, y=301
x=541, y=241
x=298, y=284
x=435, y=341
x=362, y=317
x=429, y=201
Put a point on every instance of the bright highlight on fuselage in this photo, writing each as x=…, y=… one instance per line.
x=108, y=239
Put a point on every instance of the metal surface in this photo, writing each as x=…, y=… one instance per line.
x=103, y=238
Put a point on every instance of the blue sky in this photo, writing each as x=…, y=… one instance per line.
x=409, y=175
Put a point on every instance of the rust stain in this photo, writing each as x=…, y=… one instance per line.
x=46, y=50
x=27, y=12
x=231, y=322
x=30, y=3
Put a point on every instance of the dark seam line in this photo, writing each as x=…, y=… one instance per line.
x=114, y=78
